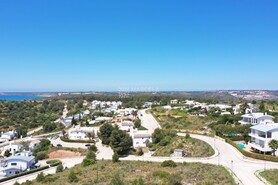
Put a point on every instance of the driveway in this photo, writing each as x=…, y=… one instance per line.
x=147, y=120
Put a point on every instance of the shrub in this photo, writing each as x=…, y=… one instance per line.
x=140, y=152
x=40, y=177
x=88, y=162
x=93, y=148
x=60, y=168
x=161, y=174
x=115, y=158
x=53, y=163
x=41, y=156
x=91, y=155
x=72, y=177
x=169, y=163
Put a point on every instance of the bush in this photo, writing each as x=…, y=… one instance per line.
x=91, y=155
x=115, y=158
x=88, y=162
x=169, y=163
x=93, y=148
x=60, y=168
x=53, y=163
x=140, y=152
x=41, y=156
x=72, y=177
x=40, y=177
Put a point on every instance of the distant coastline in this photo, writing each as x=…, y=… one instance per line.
x=19, y=97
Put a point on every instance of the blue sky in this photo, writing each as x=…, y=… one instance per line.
x=64, y=45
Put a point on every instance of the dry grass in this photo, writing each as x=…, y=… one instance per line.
x=192, y=147
x=193, y=173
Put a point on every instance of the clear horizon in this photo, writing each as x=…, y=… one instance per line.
x=159, y=45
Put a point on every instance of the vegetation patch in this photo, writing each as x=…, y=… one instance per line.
x=135, y=172
x=192, y=147
x=270, y=176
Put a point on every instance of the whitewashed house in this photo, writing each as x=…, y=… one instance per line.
x=126, y=125
x=16, y=164
x=256, y=118
x=140, y=138
x=261, y=135
x=34, y=144
x=174, y=102
x=12, y=148
x=8, y=135
x=81, y=133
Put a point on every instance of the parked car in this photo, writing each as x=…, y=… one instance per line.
x=87, y=145
x=59, y=145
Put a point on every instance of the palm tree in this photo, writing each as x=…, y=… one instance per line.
x=273, y=144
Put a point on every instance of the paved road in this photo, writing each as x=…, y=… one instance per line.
x=147, y=120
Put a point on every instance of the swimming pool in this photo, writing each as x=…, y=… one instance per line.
x=242, y=146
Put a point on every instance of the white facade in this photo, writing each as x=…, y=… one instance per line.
x=256, y=118
x=140, y=138
x=126, y=125
x=12, y=148
x=261, y=135
x=81, y=133
x=16, y=164
x=8, y=135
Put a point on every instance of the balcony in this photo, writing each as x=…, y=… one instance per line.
x=259, y=147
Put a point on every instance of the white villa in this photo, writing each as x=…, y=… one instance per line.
x=12, y=148
x=140, y=138
x=81, y=133
x=126, y=125
x=261, y=135
x=8, y=135
x=16, y=164
x=256, y=118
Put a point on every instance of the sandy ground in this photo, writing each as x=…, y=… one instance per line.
x=63, y=154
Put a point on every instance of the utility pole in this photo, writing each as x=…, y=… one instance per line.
x=232, y=162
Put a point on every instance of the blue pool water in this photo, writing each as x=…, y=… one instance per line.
x=242, y=146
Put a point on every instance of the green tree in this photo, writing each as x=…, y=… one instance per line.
x=73, y=121
x=72, y=177
x=120, y=141
x=7, y=153
x=91, y=155
x=273, y=144
x=115, y=158
x=105, y=132
x=137, y=124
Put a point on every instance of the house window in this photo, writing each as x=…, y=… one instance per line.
x=13, y=164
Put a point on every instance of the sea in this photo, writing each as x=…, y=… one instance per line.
x=19, y=97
